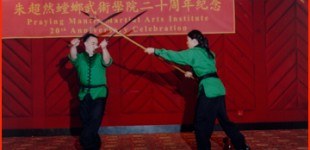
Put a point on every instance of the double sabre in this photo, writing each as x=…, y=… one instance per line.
x=98, y=24
x=127, y=38
x=131, y=20
x=128, y=32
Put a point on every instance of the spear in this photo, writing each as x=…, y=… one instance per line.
x=126, y=37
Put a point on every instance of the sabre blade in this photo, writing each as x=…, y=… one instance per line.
x=135, y=17
x=98, y=24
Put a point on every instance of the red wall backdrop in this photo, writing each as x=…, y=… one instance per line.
x=263, y=66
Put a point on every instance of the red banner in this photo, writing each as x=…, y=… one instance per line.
x=63, y=18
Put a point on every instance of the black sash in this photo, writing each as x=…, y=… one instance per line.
x=88, y=87
x=92, y=86
x=214, y=75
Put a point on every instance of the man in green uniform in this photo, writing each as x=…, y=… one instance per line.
x=91, y=69
x=211, y=99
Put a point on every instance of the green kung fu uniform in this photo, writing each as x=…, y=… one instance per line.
x=211, y=98
x=92, y=72
x=93, y=94
x=201, y=64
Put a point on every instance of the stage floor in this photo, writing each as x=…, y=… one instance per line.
x=293, y=139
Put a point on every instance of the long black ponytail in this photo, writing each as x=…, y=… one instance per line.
x=202, y=41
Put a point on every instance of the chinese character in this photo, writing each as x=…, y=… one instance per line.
x=19, y=9
x=131, y=6
x=147, y=7
x=161, y=5
x=63, y=8
x=215, y=5
x=48, y=8
x=89, y=7
x=104, y=7
x=174, y=5
x=76, y=7
x=188, y=4
x=118, y=6
x=34, y=9
x=201, y=4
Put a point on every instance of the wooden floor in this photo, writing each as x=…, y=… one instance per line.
x=296, y=139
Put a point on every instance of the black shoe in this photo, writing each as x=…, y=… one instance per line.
x=247, y=148
x=227, y=144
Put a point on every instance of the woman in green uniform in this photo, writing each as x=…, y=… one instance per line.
x=211, y=96
x=91, y=70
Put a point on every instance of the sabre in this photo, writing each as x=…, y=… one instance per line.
x=135, y=17
x=104, y=20
x=98, y=24
x=126, y=37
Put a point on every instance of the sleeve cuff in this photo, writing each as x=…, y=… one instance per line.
x=108, y=64
x=71, y=60
x=156, y=52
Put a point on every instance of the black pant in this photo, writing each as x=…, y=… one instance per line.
x=207, y=110
x=91, y=112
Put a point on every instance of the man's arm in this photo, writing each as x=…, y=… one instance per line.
x=73, y=49
x=105, y=53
